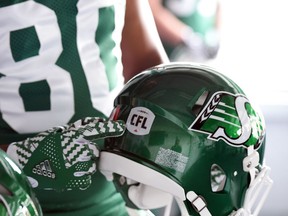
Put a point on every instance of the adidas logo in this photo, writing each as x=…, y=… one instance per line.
x=44, y=169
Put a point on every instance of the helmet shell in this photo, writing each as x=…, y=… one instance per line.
x=183, y=120
x=17, y=197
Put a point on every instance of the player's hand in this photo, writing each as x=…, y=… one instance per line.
x=64, y=157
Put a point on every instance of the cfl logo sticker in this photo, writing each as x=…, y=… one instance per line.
x=140, y=121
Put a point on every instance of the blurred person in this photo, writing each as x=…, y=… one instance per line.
x=189, y=29
x=61, y=61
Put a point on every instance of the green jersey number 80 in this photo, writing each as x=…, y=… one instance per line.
x=43, y=66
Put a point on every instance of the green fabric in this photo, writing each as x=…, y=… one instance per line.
x=35, y=93
x=25, y=45
x=42, y=98
x=24, y=39
x=99, y=199
x=107, y=44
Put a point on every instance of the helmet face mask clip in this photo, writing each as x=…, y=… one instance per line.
x=190, y=132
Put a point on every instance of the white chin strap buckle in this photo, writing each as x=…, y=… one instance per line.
x=198, y=203
x=259, y=186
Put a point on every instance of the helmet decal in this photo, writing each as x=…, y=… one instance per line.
x=171, y=159
x=230, y=117
x=140, y=120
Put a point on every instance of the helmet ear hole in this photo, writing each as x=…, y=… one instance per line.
x=218, y=178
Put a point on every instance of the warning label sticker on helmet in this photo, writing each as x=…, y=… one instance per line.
x=140, y=121
x=171, y=159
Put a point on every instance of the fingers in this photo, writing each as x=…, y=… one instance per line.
x=85, y=121
x=102, y=129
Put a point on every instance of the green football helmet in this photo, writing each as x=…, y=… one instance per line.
x=16, y=195
x=192, y=133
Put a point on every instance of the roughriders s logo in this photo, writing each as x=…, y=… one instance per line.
x=231, y=118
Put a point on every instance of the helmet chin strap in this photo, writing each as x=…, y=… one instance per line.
x=250, y=162
x=198, y=203
x=259, y=186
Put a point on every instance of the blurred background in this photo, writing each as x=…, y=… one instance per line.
x=252, y=52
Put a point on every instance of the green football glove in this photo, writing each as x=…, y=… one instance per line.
x=64, y=157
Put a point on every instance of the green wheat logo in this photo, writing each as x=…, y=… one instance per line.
x=231, y=118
